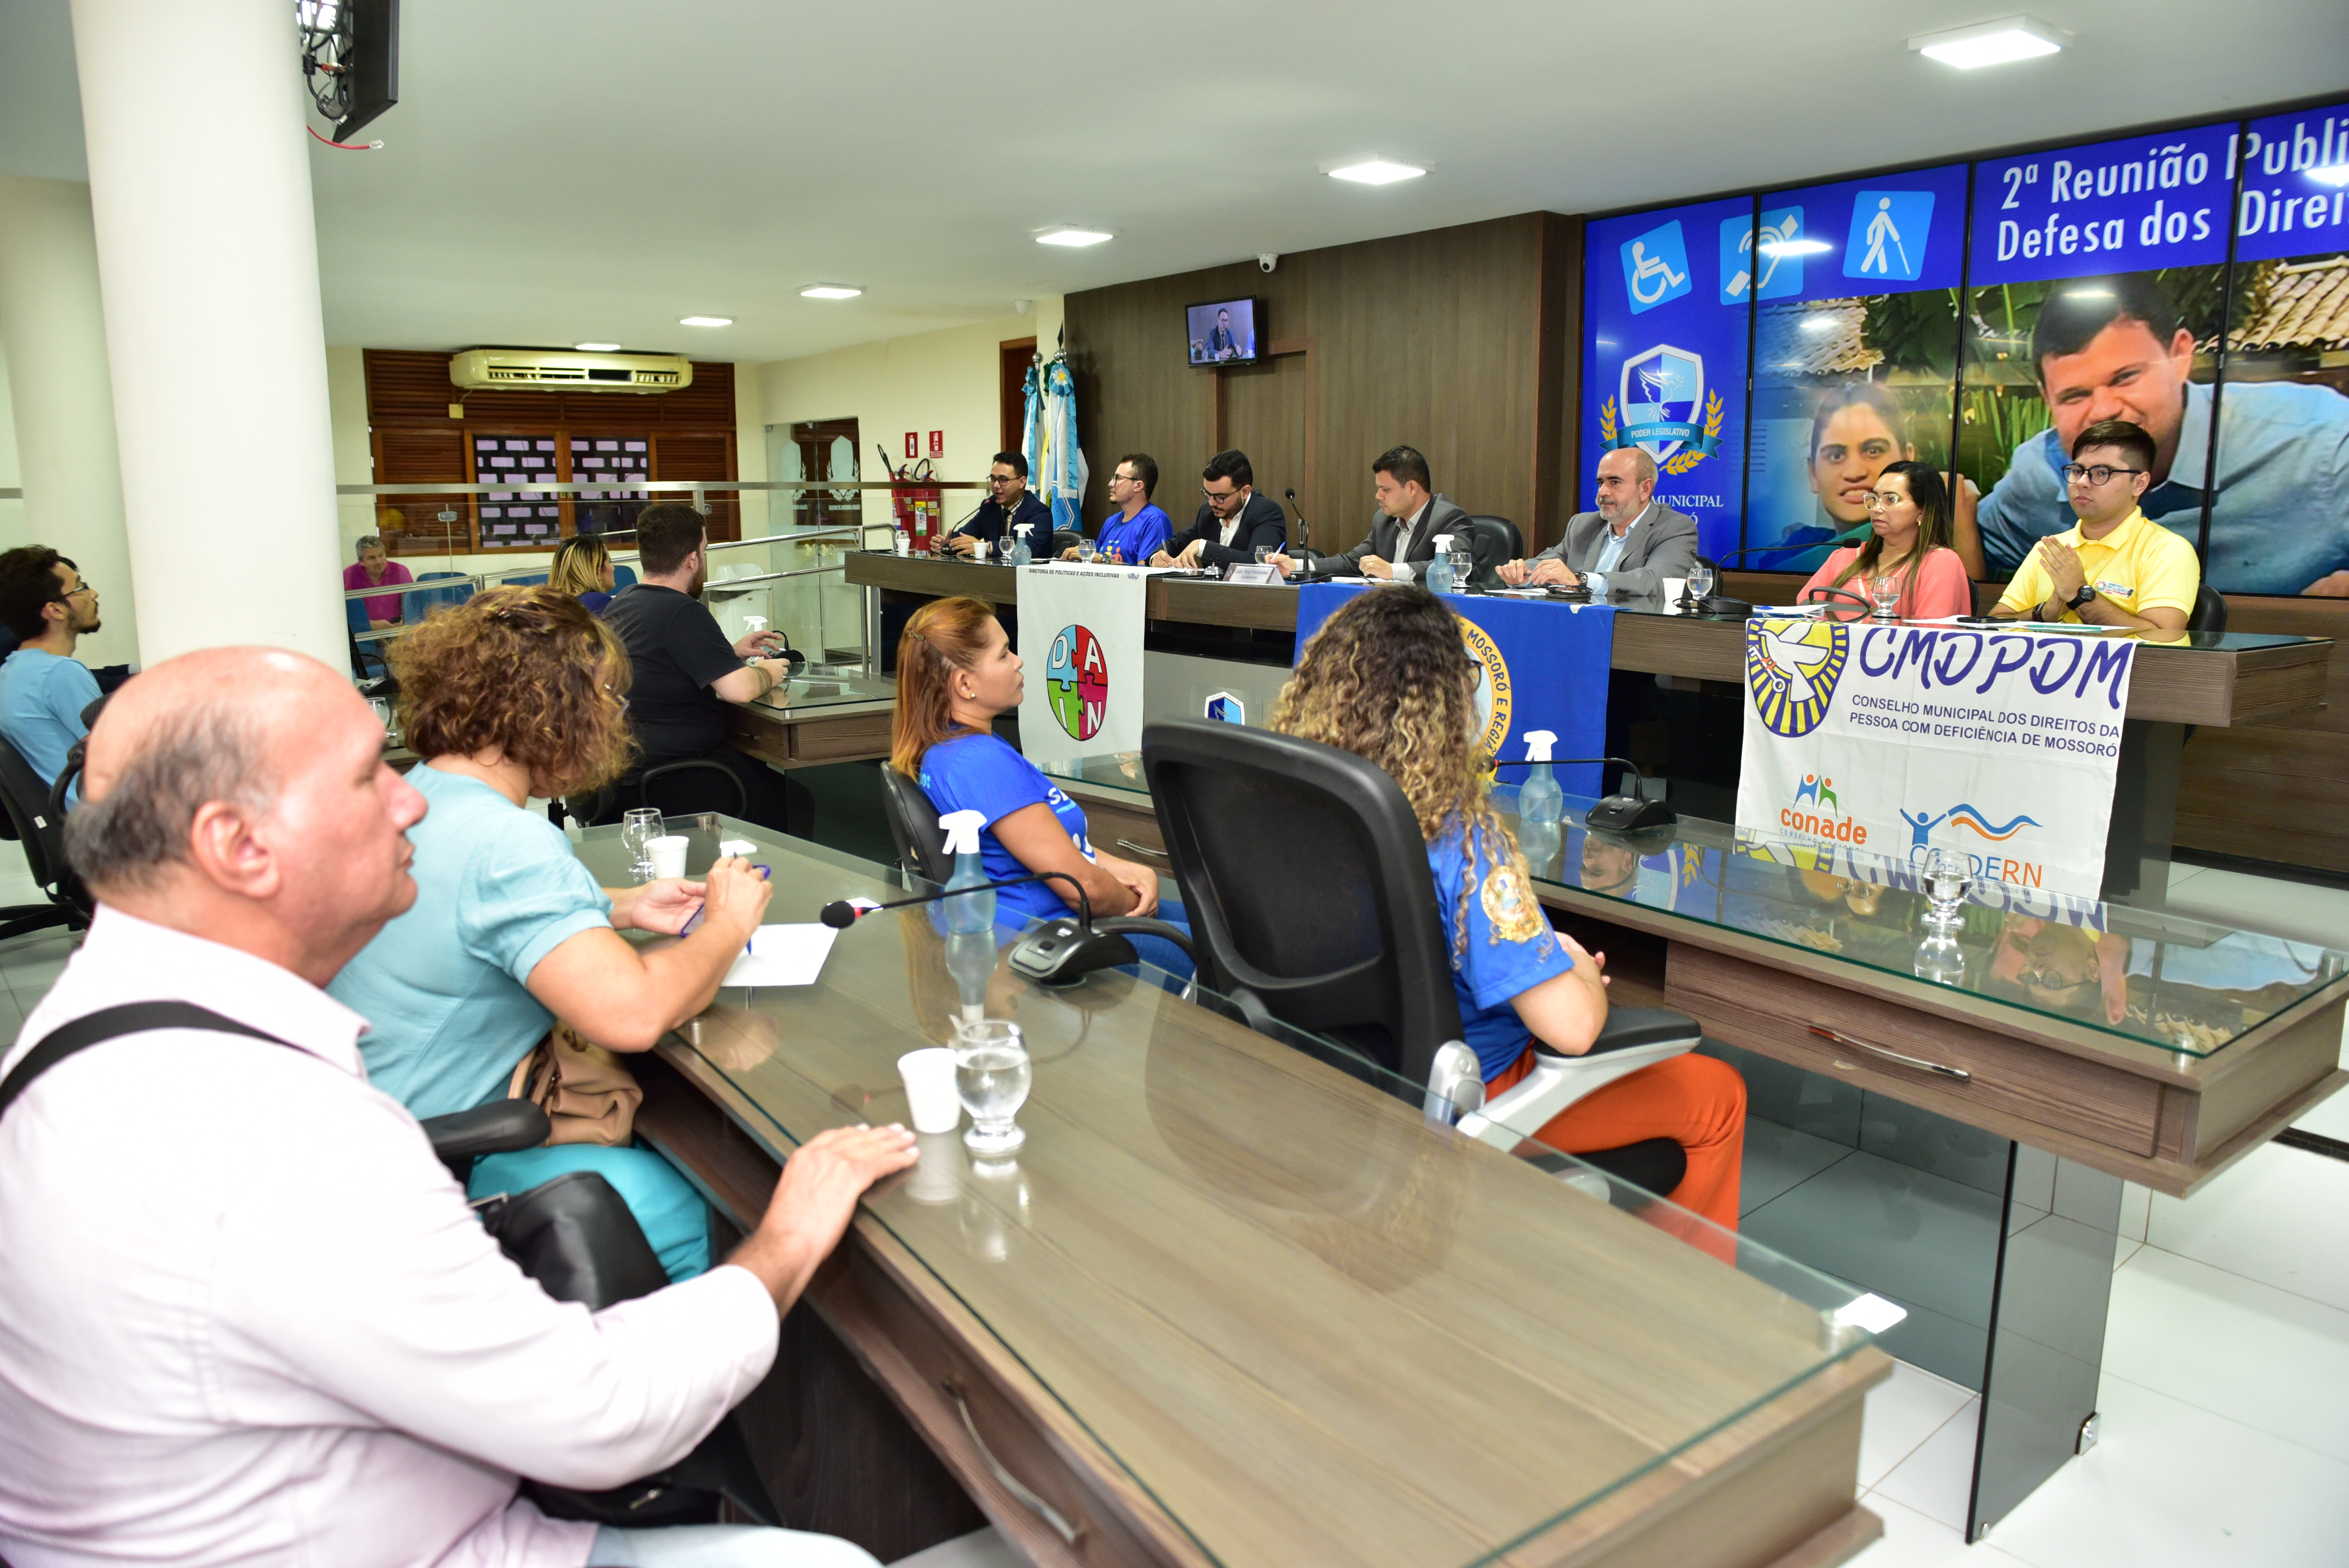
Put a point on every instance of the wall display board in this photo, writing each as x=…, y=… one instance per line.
x=1855, y=352
x=2280, y=485
x=2096, y=275
x=1666, y=301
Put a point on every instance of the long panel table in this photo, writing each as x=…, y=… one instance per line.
x=1239, y=1301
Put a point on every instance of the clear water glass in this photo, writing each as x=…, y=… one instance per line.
x=1886, y=592
x=1700, y=580
x=383, y=716
x=992, y=1076
x=1088, y=547
x=1948, y=877
x=638, y=829
x=1265, y=552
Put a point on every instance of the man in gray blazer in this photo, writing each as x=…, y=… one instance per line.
x=1404, y=530
x=1629, y=545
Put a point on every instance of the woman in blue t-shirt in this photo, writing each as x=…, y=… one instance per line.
x=956, y=673
x=1386, y=678
x=517, y=694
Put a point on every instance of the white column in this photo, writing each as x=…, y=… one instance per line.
x=55, y=332
x=208, y=263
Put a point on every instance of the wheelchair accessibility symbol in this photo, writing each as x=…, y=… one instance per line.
x=1655, y=267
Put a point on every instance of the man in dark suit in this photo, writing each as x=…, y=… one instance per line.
x=1234, y=522
x=1008, y=505
x=1404, y=530
x=1222, y=344
x=1629, y=545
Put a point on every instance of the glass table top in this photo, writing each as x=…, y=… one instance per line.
x=2139, y=974
x=1252, y=1266
x=800, y=693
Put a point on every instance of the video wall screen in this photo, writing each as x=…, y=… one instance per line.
x=1977, y=317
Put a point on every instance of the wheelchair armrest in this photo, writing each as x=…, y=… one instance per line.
x=1628, y=1027
x=498, y=1127
x=1634, y=1037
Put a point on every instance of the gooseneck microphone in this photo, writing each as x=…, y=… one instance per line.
x=1304, y=557
x=843, y=912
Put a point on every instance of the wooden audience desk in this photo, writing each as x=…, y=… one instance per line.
x=813, y=719
x=1231, y=1306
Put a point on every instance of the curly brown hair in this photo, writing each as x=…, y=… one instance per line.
x=524, y=670
x=1388, y=678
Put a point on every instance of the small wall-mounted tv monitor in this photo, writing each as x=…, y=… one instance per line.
x=1224, y=330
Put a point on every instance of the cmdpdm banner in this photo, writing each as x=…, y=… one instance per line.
x=1081, y=640
x=1896, y=739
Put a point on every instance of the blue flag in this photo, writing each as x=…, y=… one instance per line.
x=1545, y=667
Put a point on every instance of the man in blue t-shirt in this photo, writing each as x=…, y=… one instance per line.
x=43, y=687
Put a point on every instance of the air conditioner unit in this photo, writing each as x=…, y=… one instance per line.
x=508, y=369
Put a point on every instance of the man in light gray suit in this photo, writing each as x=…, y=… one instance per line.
x=1629, y=545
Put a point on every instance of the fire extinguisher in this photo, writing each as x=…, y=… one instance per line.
x=913, y=505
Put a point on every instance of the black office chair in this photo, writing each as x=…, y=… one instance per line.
x=672, y=789
x=41, y=828
x=1516, y=540
x=1305, y=879
x=1064, y=538
x=914, y=825
x=574, y=1235
x=2209, y=617
x=1491, y=542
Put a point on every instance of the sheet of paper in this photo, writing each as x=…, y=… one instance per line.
x=782, y=956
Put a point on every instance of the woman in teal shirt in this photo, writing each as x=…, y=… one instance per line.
x=516, y=693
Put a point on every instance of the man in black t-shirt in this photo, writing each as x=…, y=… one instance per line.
x=684, y=671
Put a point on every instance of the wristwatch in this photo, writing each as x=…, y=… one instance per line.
x=2086, y=594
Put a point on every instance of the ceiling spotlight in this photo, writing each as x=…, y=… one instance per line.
x=596, y=348
x=1374, y=171
x=829, y=291
x=1067, y=234
x=1794, y=247
x=705, y=321
x=1991, y=43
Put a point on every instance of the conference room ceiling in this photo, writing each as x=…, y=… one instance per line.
x=596, y=169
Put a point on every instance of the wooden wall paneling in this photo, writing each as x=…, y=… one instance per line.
x=1268, y=412
x=702, y=455
x=423, y=454
x=1557, y=381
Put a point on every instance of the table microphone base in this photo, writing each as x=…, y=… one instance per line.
x=1064, y=951
x=1721, y=608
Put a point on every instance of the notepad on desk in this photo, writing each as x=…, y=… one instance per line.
x=782, y=956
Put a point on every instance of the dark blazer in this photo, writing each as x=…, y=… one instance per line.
x=1443, y=517
x=990, y=524
x=1263, y=521
x=1662, y=544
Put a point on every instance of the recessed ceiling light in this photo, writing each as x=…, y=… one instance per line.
x=1794, y=247
x=1374, y=171
x=829, y=291
x=1065, y=234
x=596, y=348
x=1991, y=43
x=705, y=321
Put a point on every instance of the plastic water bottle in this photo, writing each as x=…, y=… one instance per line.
x=966, y=911
x=1439, y=570
x=1020, y=554
x=1540, y=799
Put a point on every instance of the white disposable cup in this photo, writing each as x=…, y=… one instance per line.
x=937, y=1176
x=667, y=855
x=1674, y=587
x=930, y=1098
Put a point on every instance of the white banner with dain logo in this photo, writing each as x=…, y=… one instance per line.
x=1897, y=739
x=1081, y=640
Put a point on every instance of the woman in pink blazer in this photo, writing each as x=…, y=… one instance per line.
x=1910, y=511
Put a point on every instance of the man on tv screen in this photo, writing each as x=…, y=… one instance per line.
x=1223, y=342
x=2113, y=348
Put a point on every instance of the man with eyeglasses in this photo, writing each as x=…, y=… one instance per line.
x=1006, y=507
x=2114, y=567
x=43, y=687
x=1234, y=522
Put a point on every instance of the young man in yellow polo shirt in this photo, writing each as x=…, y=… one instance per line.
x=2114, y=567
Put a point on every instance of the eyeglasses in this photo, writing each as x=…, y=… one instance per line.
x=1211, y=495
x=86, y=586
x=1003, y=478
x=2101, y=474
x=1879, y=500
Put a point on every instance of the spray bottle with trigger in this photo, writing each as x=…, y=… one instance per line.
x=966, y=911
x=1022, y=554
x=1540, y=799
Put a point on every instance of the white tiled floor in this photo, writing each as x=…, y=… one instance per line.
x=2225, y=1399
x=2226, y=1390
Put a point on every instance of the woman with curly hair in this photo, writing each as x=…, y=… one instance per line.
x=1386, y=677
x=515, y=695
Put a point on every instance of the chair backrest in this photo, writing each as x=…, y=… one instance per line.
x=1064, y=538
x=1516, y=539
x=1488, y=546
x=623, y=577
x=914, y=824
x=41, y=830
x=1308, y=887
x=355, y=613
x=695, y=785
x=2210, y=614
x=432, y=599
x=527, y=579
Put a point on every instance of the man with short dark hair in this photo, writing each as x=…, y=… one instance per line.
x=2114, y=567
x=43, y=687
x=247, y=1317
x=2113, y=348
x=684, y=672
x=1405, y=529
x=1222, y=342
x=1007, y=509
x=1137, y=529
x=1234, y=522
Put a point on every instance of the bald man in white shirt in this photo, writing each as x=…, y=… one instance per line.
x=245, y=1314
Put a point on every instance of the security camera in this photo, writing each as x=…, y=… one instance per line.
x=1266, y=261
